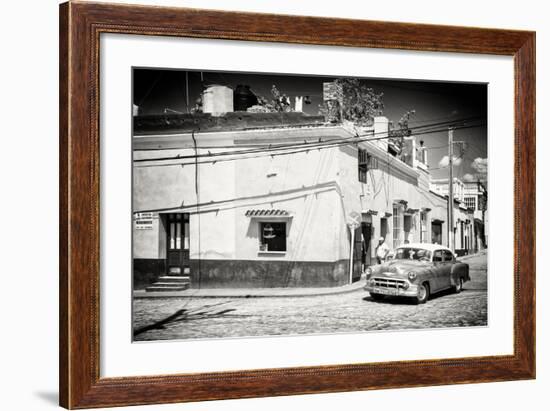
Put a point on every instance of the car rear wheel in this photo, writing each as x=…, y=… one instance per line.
x=459, y=285
x=423, y=293
x=376, y=297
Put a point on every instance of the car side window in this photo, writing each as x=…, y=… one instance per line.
x=448, y=255
x=438, y=256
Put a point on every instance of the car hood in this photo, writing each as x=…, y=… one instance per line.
x=400, y=268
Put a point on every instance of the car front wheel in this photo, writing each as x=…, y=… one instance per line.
x=423, y=293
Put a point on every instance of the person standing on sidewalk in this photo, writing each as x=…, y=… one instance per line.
x=382, y=250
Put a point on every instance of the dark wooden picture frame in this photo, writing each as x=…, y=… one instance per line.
x=80, y=27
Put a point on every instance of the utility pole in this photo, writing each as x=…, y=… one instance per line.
x=450, y=202
x=354, y=221
x=187, y=90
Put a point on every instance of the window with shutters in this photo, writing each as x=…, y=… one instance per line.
x=363, y=165
x=397, y=225
x=423, y=227
x=366, y=162
x=470, y=202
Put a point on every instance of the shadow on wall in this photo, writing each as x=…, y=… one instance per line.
x=215, y=206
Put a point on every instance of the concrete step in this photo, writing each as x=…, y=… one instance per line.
x=174, y=279
x=169, y=284
x=167, y=287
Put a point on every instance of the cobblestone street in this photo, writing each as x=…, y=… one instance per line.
x=185, y=318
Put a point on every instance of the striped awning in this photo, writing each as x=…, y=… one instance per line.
x=271, y=212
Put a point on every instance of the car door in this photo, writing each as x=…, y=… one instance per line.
x=447, y=269
x=438, y=260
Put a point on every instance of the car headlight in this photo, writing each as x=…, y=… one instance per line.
x=368, y=272
x=412, y=275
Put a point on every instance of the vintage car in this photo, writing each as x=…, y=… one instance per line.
x=417, y=271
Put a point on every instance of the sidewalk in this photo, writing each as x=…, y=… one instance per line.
x=252, y=292
x=266, y=292
x=468, y=256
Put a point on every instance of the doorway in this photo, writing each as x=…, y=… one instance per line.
x=357, y=254
x=407, y=224
x=437, y=232
x=384, y=228
x=366, y=232
x=177, y=244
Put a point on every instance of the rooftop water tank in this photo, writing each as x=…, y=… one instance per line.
x=244, y=98
x=217, y=99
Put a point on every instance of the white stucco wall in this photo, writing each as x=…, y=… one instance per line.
x=319, y=189
x=163, y=188
x=304, y=184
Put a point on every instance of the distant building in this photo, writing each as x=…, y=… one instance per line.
x=470, y=194
x=441, y=186
x=217, y=200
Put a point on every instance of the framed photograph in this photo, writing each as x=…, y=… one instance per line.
x=258, y=205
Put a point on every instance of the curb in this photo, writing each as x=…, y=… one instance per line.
x=358, y=285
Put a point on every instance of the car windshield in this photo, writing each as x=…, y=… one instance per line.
x=410, y=253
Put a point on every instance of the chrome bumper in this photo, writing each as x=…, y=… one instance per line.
x=411, y=291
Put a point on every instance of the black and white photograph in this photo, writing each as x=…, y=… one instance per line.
x=276, y=204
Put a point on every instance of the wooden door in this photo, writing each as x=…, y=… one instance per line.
x=437, y=231
x=366, y=232
x=177, y=244
x=357, y=251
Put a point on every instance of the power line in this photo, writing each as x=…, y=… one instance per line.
x=257, y=146
x=268, y=154
x=427, y=129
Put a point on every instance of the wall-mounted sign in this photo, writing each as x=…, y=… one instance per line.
x=143, y=221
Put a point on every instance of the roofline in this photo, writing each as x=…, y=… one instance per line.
x=254, y=136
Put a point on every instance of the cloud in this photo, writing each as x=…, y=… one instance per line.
x=480, y=165
x=468, y=177
x=444, y=162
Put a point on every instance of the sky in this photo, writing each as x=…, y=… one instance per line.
x=156, y=90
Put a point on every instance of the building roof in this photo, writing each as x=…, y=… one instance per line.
x=232, y=121
x=260, y=136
